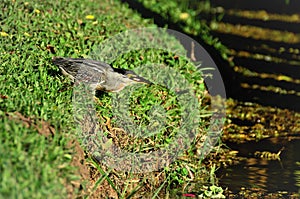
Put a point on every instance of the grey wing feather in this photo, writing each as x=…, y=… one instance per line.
x=82, y=69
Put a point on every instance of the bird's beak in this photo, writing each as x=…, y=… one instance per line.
x=137, y=78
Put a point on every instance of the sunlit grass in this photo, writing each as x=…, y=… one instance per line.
x=32, y=165
x=31, y=33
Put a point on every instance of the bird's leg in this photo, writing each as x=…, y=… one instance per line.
x=108, y=124
x=110, y=128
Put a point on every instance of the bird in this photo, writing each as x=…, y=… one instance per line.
x=99, y=75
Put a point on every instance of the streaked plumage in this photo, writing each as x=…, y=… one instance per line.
x=100, y=75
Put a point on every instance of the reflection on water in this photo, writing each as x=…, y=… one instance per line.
x=264, y=174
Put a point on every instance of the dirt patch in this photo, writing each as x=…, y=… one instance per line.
x=89, y=176
x=80, y=187
x=43, y=127
x=87, y=184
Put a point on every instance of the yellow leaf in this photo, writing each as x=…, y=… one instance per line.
x=90, y=17
x=4, y=34
x=184, y=15
x=27, y=34
x=37, y=11
x=284, y=78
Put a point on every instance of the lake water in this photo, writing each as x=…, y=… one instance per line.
x=263, y=174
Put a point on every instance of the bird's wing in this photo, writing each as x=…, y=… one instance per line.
x=82, y=69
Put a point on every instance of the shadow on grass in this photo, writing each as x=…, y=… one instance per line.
x=232, y=79
x=275, y=6
x=270, y=24
x=264, y=47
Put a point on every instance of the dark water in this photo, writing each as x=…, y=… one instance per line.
x=253, y=46
x=274, y=6
x=253, y=172
x=266, y=175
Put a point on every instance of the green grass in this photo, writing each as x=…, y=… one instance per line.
x=37, y=166
x=32, y=165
